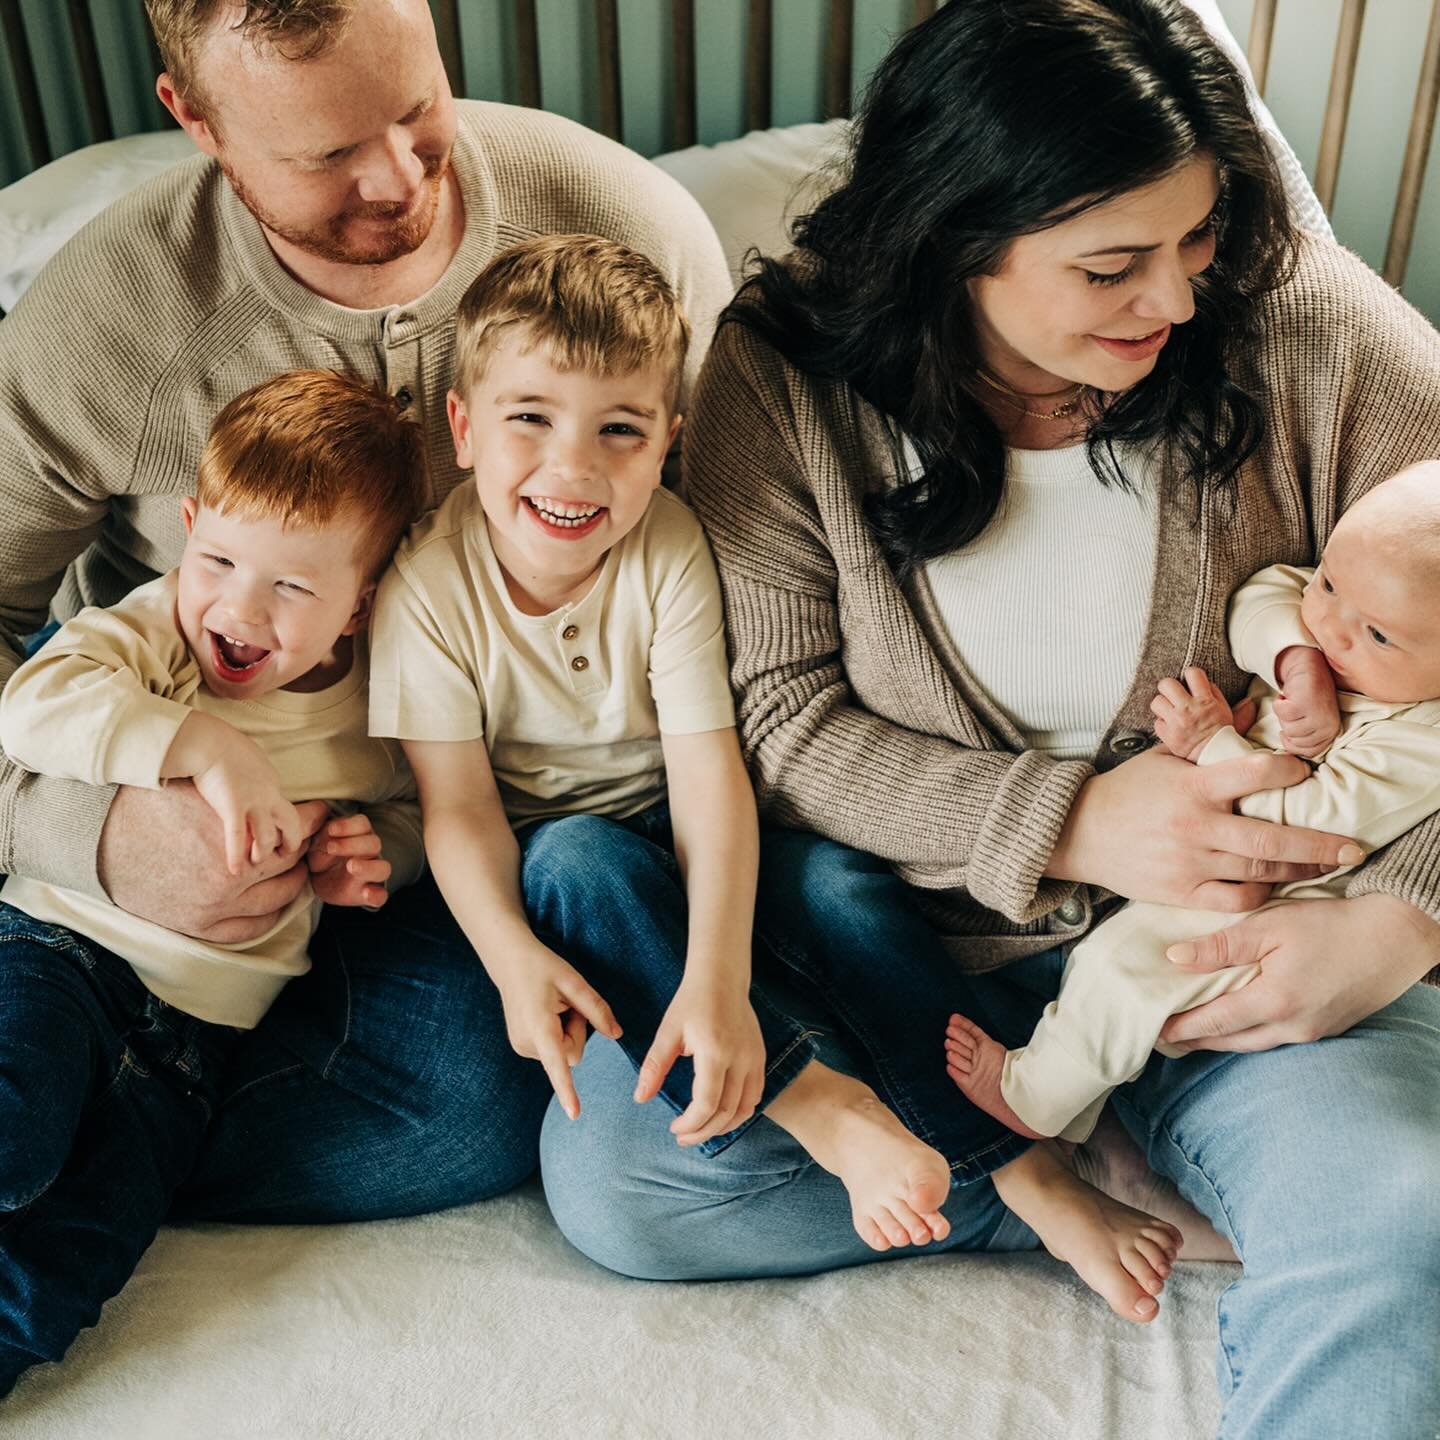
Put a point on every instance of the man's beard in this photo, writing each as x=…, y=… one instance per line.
x=409, y=227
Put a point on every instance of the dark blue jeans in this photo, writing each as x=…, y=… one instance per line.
x=379, y=1084
x=607, y=895
x=105, y=1092
x=847, y=928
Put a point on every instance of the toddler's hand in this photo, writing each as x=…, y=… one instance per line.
x=712, y=1022
x=1187, y=715
x=346, y=866
x=547, y=1004
x=243, y=789
x=1306, y=707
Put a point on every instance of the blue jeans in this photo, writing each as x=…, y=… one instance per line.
x=379, y=1084
x=1319, y=1162
x=607, y=895
x=105, y=1092
x=849, y=936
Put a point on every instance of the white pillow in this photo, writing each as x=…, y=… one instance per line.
x=39, y=213
x=751, y=188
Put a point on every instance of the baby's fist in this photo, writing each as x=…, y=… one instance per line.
x=1306, y=707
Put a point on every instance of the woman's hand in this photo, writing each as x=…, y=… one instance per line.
x=1158, y=828
x=1325, y=966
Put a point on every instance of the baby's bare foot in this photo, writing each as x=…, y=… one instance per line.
x=1124, y=1255
x=974, y=1062
x=896, y=1183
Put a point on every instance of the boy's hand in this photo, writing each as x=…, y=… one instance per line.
x=1186, y=716
x=547, y=1006
x=713, y=1023
x=346, y=866
x=242, y=788
x=1306, y=707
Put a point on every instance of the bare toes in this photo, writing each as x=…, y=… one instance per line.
x=871, y=1233
x=1161, y=1262
x=939, y=1225
x=895, y=1232
x=915, y=1227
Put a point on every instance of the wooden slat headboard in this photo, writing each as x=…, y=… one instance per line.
x=838, y=63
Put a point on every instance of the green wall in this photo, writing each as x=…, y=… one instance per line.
x=1385, y=86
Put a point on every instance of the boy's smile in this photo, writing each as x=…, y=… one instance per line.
x=267, y=606
x=565, y=462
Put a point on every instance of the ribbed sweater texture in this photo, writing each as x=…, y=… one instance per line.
x=860, y=718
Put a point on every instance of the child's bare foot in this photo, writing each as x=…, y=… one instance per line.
x=974, y=1062
x=1113, y=1163
x=896, y=1183
x=1123, y=1255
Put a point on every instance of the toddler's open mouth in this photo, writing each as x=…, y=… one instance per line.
x=234, y=660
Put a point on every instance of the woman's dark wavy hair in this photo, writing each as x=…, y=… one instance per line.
x=1000, y=118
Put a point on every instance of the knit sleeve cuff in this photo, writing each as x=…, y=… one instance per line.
x=53, y=829
x=1019, y=835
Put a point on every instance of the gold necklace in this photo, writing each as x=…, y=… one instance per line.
x=1016, y=398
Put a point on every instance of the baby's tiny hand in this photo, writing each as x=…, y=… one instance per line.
x=1188, y=715
x=1306, y=707
x=346, y=866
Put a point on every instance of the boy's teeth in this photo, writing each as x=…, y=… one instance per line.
x=238, y=655
x=563, y=512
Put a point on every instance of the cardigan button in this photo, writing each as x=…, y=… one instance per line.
x=569, y=632
x=1129, y=742
x=1072, y=912
x=579, y=663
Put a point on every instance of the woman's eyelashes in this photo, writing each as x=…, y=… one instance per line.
x=1197, y=236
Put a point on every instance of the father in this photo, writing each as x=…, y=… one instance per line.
x=342, y=204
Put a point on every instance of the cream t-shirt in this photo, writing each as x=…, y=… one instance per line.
x=102, y=702
x=571, y=705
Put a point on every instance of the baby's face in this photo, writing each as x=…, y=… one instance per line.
x=1372, y=611
x=263, y=604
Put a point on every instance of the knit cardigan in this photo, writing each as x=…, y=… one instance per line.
x=860, y=720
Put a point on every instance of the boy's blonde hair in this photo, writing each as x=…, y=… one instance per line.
x=292, y=29
x=308, y=447
x=600, y=306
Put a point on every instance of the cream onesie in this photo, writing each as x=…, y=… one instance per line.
x=1380, y=777
x=102, y=703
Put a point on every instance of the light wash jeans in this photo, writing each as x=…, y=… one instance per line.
x=1320, y=1162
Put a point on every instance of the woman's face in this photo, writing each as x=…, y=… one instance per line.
x=1093, y=299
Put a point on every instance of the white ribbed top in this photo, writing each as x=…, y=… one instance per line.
x=1048, y=608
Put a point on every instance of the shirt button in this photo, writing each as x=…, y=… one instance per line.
x=1072, y=912
x=1129, y=742
x=579, y=663
x=404, y=396
x=569, y=633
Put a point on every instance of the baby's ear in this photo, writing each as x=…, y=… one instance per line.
x=459, y=418
x=188, y=509
x=360, y=616
x=675, y=425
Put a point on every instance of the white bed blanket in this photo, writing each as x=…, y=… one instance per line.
x=483, y=1324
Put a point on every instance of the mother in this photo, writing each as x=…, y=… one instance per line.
x=1055, y=336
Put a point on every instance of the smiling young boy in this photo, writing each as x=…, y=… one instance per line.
x=244, y=672
x=549, y=647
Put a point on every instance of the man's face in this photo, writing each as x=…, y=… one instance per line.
x=343, y=156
